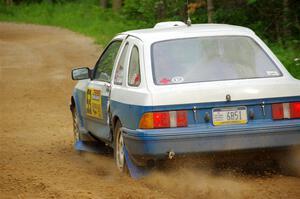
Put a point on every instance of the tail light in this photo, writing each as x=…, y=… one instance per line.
x=277, y=111
x=166, y=119
x=286, y=111
x=161, y=120
x=181, y=118
x=295, y=109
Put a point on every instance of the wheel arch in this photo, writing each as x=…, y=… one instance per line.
x=115, y=119
x=72, y=103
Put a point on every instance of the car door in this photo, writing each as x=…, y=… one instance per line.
x=98, y=90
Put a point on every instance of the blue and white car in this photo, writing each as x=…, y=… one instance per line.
x=176, y=89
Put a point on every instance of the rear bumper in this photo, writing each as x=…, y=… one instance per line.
x=156, y=144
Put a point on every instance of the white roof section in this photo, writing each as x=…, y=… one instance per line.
x=169, y=24
x=195, y=30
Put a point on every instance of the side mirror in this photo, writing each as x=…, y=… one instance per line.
x=81, y=73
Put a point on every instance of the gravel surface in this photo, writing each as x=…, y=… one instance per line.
x=37, y=159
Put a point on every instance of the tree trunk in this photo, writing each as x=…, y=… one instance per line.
x=116, y=5
x=277, y=29
x=210, y=11
x=103, y=3
x=159, y=10
x=285, y=20
x=9, y=2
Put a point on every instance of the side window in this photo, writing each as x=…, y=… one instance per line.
x=105, y=65
x=120, y=67
x=134, y=77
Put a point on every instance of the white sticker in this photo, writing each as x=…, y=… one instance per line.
x=272, y=73
x=177, y=79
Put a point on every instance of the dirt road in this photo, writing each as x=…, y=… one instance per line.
x=36, y=155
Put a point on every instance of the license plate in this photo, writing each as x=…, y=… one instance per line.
x=230, y=115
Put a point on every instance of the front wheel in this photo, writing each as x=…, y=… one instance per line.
x=119, y=148
x=75, y=125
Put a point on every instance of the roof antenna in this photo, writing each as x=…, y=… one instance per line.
x=189, y=21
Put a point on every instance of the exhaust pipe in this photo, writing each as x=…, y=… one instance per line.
x=171, y=155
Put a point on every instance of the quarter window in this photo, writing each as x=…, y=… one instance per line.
x=120, y=67
x=106, y=62
x=134, y=77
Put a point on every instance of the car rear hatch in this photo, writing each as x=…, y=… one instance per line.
x=228, y=103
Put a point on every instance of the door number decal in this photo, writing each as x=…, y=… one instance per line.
x=94, y=103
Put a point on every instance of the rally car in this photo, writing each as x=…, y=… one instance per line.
x=179, y=89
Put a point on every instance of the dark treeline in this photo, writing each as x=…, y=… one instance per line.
x=275, y=20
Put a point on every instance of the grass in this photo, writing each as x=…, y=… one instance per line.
x=86, y=18
x=289, y=55
x=102, y=24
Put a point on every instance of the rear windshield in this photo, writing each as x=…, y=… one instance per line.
x=210, y=59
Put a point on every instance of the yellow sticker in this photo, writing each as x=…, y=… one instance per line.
x=94, y=103
x=230, y=122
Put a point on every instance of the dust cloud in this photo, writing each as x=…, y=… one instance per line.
x=101, y=165
x=195, y=183
x=234, y=175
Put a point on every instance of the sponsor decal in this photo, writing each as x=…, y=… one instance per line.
x=177, y=79
x=94, y=103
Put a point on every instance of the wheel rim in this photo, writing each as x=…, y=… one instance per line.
x=75, y=126
x=120, y=150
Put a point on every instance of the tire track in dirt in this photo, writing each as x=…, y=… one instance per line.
x=36, y=155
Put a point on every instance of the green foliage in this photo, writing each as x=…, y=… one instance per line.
x=251, y=1
x=153, y=11
x=289, y=55
x=86, y=17
x=136, y=9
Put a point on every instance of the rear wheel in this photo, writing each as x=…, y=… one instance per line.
x=119, y=148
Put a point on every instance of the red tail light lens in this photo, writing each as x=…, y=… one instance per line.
x=286, y=111
x=277, y=111
x=295, y=109
x=161, y=119
x=181, y=118
x=165, y=119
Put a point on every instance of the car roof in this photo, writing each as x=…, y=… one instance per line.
x=184, y=31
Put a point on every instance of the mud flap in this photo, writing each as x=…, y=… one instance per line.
x=90, y=146
x=135, y=171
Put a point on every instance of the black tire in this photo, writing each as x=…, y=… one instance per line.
x=75, y=125
x=118, y=149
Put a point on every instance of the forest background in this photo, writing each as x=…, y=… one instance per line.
x=277, y=22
